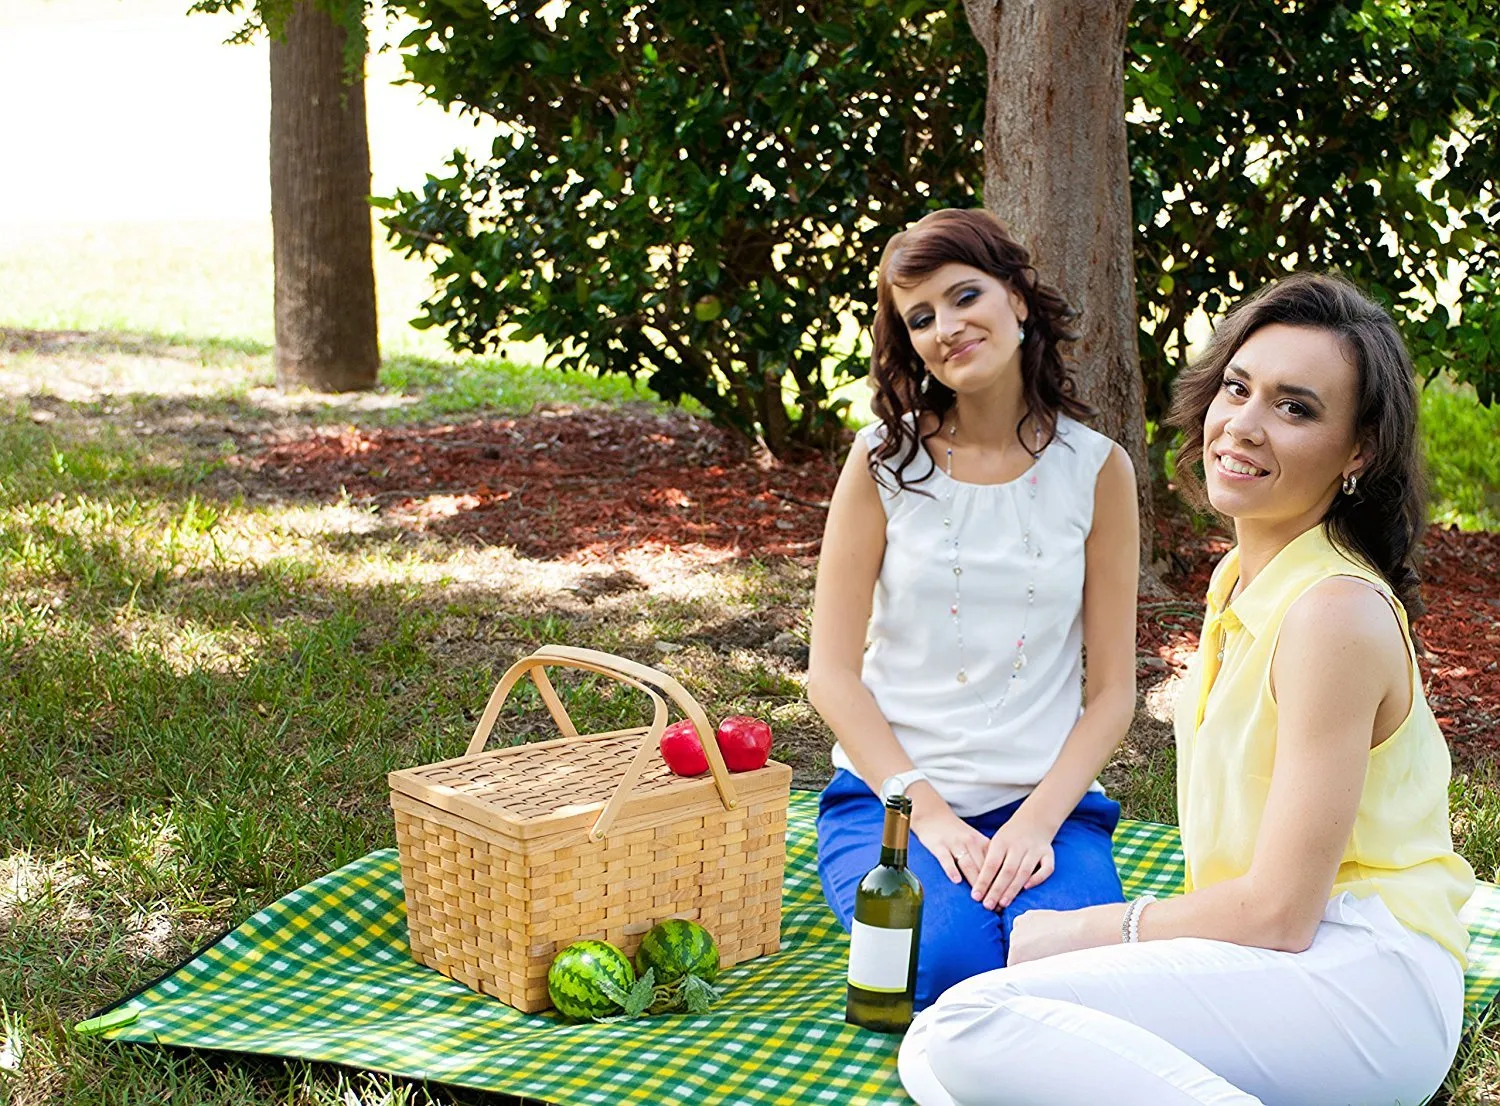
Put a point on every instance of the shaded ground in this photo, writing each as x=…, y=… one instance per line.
x=571, y=484
x=586, y=485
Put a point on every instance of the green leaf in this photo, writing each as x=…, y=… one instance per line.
x=613, y=991
x=640, y=995
x=106, y=1022
x=699, y=996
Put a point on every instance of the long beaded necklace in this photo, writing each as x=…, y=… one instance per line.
x=1032, y=550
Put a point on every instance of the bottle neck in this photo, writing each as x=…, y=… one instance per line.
x=893, y=840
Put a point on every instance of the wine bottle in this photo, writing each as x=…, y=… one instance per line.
x=887, y=931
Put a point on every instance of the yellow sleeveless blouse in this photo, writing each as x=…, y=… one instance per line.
x=1401, y=847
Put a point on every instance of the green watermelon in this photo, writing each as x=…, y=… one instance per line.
x=584, y=975
x=675, y=948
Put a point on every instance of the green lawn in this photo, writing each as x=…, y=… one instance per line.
x=201, y=690
x=1463, y=456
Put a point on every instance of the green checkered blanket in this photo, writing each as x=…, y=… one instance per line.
x=325, y=974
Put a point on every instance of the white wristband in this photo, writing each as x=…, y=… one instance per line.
x=897, y=784
x=1130, y=924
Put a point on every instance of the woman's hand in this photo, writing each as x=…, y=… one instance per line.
x=1039, y=933
x=1018, y=857
x=958, y=846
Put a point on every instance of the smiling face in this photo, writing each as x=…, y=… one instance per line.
x=1280, y=435
x=963, y=324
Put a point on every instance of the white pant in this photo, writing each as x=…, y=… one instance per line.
x=1370, y=1013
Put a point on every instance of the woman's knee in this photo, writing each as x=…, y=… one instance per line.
x=967, y=1037
x=947, y=960
x=937, y=1059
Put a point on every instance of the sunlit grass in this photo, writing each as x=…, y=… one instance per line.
x=443, y=388
x=192, y=279
x=1463, y=456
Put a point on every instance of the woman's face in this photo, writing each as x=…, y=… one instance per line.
x=964, y=325
x=1279, y=436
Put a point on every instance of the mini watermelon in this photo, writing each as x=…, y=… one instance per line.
x=583, y=976
x=675, y=948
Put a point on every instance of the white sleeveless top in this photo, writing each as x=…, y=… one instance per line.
x=911, y=661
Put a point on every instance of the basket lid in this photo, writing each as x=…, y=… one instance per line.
x=528, y=791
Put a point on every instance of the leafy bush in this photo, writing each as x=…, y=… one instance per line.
x=699, y=192
x=692, y=191
x=1356, y=136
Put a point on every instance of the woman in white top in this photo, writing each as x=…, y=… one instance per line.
x=980, y=538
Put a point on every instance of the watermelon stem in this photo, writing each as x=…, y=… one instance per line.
x=690, y=994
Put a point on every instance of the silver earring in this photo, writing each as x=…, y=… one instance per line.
x=1351, y=482
x=926, y=381
x=1021, y=333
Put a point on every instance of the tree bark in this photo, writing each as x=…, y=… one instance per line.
x=320, y=215
x=1057, y=171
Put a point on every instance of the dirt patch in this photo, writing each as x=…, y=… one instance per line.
x=589, y=485
x=1458, y=635
x=566, y=484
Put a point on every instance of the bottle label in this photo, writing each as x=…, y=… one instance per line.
x=879, y=958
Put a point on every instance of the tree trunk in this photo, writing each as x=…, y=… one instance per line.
x=770, y=406
x=320, y=217
x=1057, y=172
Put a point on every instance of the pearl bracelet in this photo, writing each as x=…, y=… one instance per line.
x=1130, y=924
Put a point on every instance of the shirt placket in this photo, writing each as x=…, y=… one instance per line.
x=1217, y=627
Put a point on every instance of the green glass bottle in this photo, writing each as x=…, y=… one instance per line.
x=887, y=931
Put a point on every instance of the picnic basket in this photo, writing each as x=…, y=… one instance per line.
x=509, y=855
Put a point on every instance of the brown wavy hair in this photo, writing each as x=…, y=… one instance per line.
x=1382, y=522
x=976, y=238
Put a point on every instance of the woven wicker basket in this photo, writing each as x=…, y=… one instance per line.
x=509, y=855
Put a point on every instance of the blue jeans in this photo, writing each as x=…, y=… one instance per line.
x=960, y=937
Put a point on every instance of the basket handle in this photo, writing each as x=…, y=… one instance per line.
x=626, y=672
x=629, y=671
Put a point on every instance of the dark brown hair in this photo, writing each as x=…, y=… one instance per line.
x=976, y=238
x=1382, y=522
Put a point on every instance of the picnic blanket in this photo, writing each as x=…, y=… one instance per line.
x=325, y=974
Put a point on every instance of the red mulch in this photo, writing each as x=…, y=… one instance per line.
x=1459, y=634
x=586, y=485
x=574, y=485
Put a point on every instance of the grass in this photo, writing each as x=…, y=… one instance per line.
x=201, y=695
x=445, y=388
x=192, y=278
x=1463, y=456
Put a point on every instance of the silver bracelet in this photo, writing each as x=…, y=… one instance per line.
x=1130, y=924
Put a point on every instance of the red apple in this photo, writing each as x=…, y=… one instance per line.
x=745, y=742
x=682, y=750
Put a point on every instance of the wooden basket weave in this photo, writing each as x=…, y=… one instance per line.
x=509, y=855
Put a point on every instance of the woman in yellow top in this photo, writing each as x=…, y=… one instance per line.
x=1316, y=955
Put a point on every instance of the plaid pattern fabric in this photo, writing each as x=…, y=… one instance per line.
x=325, y=974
